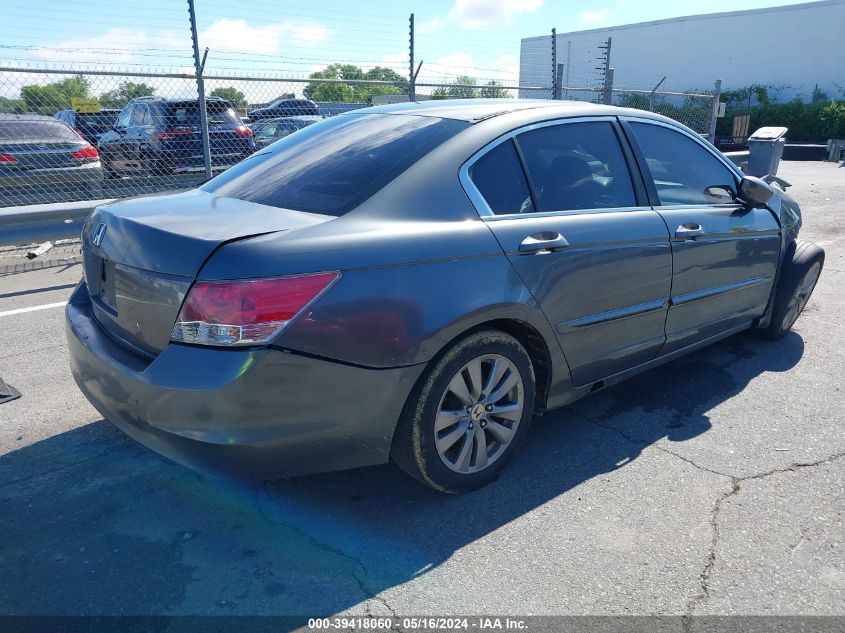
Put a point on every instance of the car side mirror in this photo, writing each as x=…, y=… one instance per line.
x=754, y=192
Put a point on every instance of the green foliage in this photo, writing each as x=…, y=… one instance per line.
x=124, y=93
x=52, y=97
x=230, y=94
x=353, y=93
x=813, y=122
x=634, y=100
x=819, y=96
x=12, y=106
x=462, y=88
x=752, y=95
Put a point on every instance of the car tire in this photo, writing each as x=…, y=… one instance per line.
x=451, y=435
x=803, y=264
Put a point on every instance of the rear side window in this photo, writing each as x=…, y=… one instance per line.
x=188, y=115
x=334, y=165
x=499, y=177
x=37, y=130
x=683, y=171
x=577, y=166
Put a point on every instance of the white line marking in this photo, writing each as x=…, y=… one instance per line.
x=32, y=308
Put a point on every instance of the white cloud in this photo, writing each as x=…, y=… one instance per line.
x=429, y=26
x=239, y=36
x=480, y=14
x=600, y=15
x=122, y=45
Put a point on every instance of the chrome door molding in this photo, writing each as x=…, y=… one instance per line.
x=716, y=291
x=612, y=315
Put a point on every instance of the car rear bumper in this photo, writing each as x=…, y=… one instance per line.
x=248, y=412
x=51, y=177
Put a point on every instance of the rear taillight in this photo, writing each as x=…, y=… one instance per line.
x=169, y=135
x=243, y=130
x=7, y=158
x=248, y=311
x=85, y=153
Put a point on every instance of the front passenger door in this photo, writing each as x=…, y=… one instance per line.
x=724, y=254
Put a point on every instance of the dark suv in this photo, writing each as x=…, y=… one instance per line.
x=89, y=125
x=155, y=136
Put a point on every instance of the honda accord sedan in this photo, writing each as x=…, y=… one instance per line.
x=413, y=283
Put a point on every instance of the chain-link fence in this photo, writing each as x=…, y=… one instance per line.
x=91, y=130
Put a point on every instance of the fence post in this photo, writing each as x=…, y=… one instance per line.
x=715, y=116
x=198, y=66
x=559, y=85
x=412, y=78
x=608, y=87
x=555, y=84
x=653, y=91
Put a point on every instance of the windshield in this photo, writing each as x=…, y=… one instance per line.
x=332, y=166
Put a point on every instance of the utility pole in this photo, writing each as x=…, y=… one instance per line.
x=198, y=66
x=412, y=78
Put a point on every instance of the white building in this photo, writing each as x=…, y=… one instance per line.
x=790, y=49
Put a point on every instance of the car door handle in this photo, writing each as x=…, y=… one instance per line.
x=689, y=230
x=545, y=241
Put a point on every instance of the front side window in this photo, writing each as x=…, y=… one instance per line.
x=683, y=171
x=576, y=166
x=499, y=178
x=334, y=165
x=125, y=117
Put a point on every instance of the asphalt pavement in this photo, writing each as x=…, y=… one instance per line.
x=712, y=485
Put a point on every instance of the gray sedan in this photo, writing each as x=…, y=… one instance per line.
x=415, y=282
x=39, y=154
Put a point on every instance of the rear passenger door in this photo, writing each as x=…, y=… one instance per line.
x=725, y=254
x=560, y=199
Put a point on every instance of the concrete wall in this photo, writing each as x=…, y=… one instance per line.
x=792, y=47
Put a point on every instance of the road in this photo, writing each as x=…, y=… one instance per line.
x=713, y=485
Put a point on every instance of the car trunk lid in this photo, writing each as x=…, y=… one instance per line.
x=141, y=256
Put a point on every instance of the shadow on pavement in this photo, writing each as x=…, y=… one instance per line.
x=92, y=523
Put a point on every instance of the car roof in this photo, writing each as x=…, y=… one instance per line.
x=474, y=110
x=27, y=117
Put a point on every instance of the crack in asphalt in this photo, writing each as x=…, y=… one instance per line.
x=710, y=563
x=357, y=568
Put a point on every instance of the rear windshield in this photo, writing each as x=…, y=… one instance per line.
x=334, y=165
x=98, y=120
x=33, y=129
x=188, y=114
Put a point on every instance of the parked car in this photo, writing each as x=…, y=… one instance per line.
x=268, y=131
x=89, y=125
x=415, y=282
x=285, y=107
x=43, y=157
x=156, y=136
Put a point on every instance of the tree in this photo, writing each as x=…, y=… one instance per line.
x=12, y=106
x=52, y=97
x=230, y=94
x=124, y=93
x=461, y=88
x=353, y=93
x=493, y=90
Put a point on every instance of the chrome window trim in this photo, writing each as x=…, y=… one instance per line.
x=691, y=135
x=480, y=204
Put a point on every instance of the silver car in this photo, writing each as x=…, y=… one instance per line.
x=415, y=282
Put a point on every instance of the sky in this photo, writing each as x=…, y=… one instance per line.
x=453, y=37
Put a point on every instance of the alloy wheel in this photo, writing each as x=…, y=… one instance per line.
x=479, y=414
